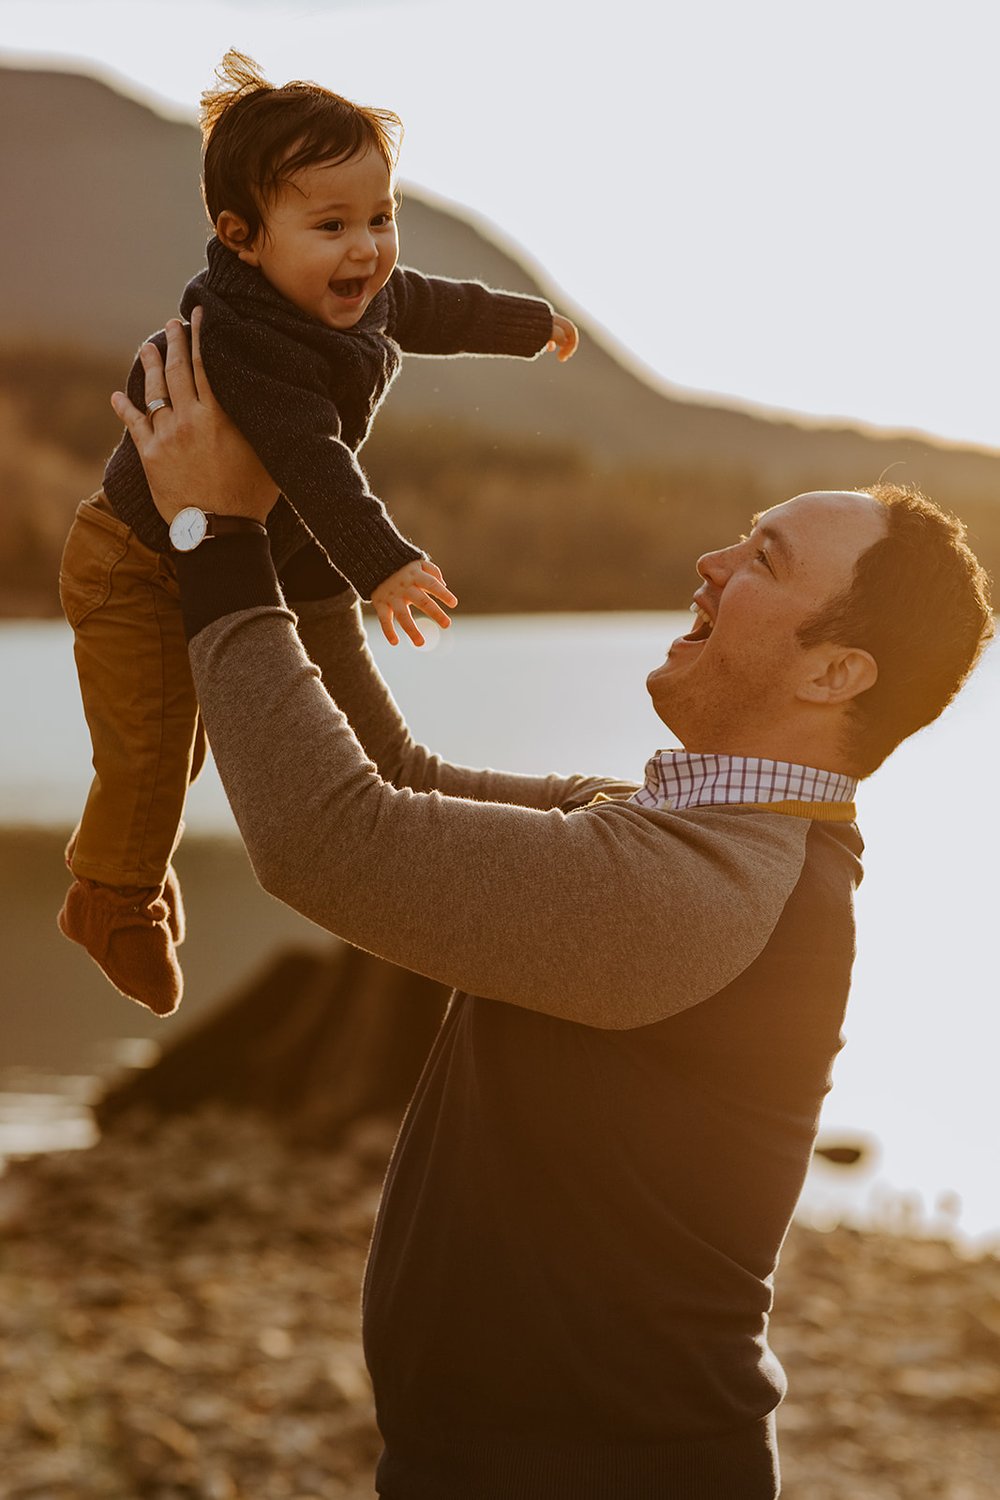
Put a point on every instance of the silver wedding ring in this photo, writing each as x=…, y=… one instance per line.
x=153, y=406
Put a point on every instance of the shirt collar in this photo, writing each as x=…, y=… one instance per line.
x=676, y=779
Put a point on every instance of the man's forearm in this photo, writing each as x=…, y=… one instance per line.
x=334, y=637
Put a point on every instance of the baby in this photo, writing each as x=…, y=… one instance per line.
x=304, y=317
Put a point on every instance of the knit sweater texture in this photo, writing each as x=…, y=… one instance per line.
x=304, y=395
x=571, y=1274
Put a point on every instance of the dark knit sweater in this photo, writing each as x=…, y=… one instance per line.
x=568, y=1290
x=304, y=395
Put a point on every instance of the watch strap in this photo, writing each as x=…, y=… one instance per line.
x=228, y=525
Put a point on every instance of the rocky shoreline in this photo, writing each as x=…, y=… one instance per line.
x=179, y=1311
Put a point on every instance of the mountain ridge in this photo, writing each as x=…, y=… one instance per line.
x=99, y=267
x=537, y=486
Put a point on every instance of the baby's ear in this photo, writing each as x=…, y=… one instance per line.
x=235, y=235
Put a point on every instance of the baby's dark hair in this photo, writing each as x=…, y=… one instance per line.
x=256, y=137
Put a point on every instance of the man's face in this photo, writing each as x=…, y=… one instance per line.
x=330, y=240
x=732, y=684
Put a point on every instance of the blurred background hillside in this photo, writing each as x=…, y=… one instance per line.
x=536, y=486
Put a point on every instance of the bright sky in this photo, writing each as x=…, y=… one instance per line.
x=789, y=202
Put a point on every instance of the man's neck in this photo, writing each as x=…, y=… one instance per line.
x=794, y=749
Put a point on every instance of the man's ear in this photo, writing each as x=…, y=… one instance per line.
x=235, y=235
x=839, y=673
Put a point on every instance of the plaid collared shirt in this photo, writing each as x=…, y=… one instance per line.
x=676, y=779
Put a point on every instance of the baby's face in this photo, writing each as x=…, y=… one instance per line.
x=330, y=239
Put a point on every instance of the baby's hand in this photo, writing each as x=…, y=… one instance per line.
x=417, y=584
x=564, y=338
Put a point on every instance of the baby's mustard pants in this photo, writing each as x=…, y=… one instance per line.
x=122, y=601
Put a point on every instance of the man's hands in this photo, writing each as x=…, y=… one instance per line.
x=191, y=452
x=564, y=338
x=416, y=584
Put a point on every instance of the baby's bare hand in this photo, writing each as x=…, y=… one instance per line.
x=565, y=338
x=416, y=585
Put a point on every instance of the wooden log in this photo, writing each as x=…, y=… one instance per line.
x=315, y=1042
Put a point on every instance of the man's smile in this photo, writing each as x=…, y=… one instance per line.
x=701, y=629
x=704, y=623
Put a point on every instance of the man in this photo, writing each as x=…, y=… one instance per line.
x=570, y=1278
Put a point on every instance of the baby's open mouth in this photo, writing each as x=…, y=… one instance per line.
x=349, y=289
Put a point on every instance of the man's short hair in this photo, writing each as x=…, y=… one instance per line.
x=256, y=136
x=919, y=601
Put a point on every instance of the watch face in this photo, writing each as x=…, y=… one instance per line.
x=188, y=528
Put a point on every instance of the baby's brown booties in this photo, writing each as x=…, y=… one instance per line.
x=171, y=893
x=131, y=935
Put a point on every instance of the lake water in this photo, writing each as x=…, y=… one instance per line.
x=918, y=1078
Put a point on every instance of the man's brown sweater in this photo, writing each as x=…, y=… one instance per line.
x=569, y=1284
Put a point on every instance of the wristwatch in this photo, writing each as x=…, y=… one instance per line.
x=191, y=526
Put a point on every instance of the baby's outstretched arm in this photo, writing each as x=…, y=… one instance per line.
x=416, y=584
x=565, y=338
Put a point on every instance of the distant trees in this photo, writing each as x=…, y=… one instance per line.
x=56, y=428
x=517, y=524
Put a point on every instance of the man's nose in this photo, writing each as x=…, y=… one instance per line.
x=714, y=566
